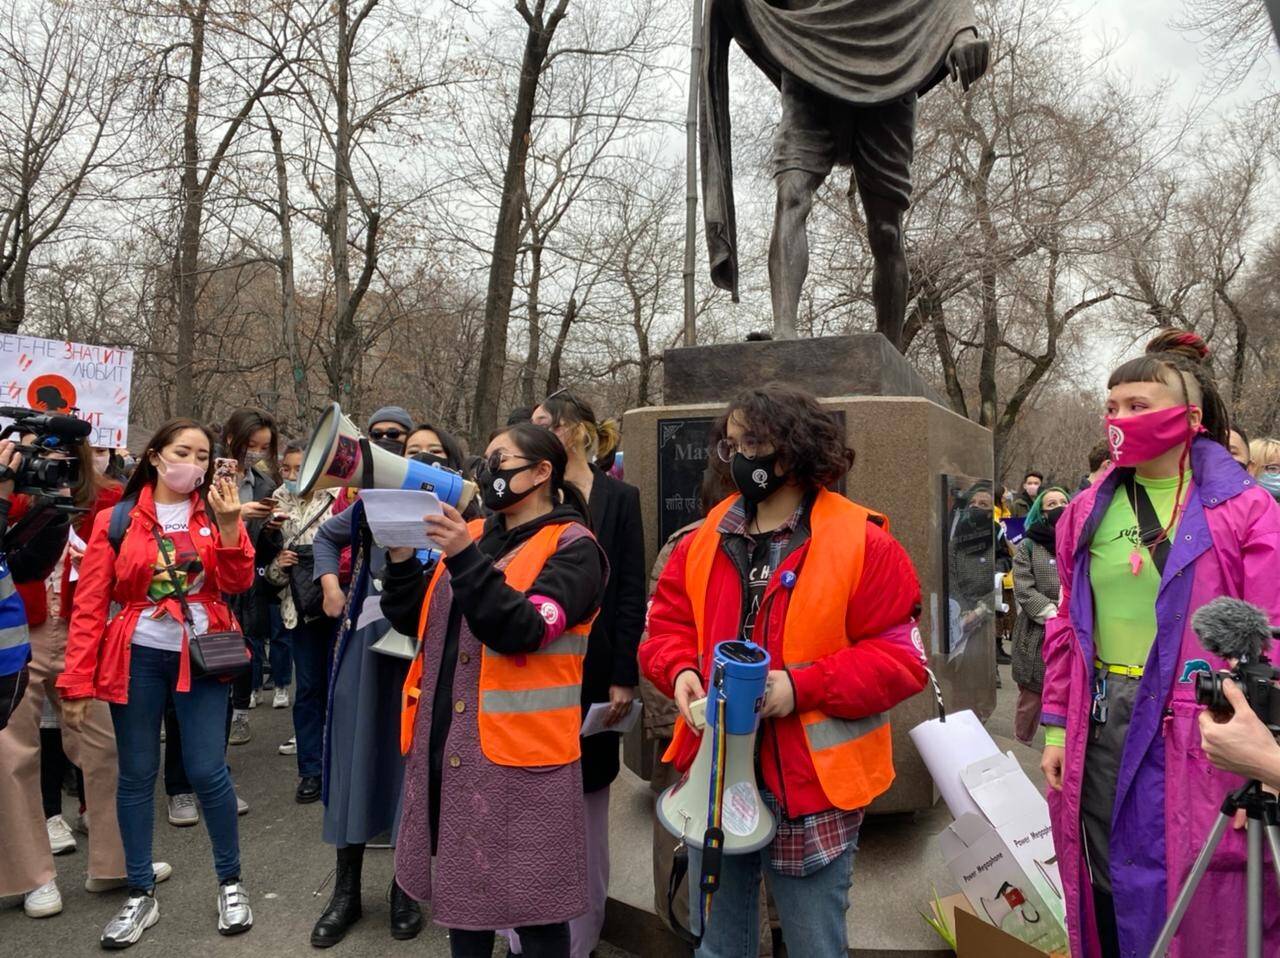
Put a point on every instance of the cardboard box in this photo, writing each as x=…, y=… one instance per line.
x=1003, y=858
x=1020, y=815
x=976, y=938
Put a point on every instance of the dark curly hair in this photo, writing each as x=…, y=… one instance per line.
x=810, y=442
x=1180, y=360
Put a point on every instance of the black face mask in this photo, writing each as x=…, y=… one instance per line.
x=430, y=459
x=981, y=517
x=495, y=485
x=755, y=478
x=391, y=445
x=1052, y=516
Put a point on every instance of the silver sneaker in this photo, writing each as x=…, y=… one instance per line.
x=234, y=914
x=240, y=734
x=183, y=810
x=139, y=913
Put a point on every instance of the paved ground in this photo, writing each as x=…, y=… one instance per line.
x=284, y=864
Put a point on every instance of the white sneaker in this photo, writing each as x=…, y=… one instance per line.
x=162, y=871
x=281, y=699
x=253, y=700
x=240, y=734
x=139, y=913
x=61, y=841
x=44, y=902
x=242, y=807
x=234, y=914
x=183, y=810
x=290, y=747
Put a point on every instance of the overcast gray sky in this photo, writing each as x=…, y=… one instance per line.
x=1148, y=47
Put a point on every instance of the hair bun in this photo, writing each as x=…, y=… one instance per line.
x=1180, y=342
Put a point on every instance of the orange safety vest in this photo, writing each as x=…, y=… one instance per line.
x=853, y=759
x=530, y=705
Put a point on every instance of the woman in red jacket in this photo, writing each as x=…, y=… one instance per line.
x=138, y=657
x=819, y=583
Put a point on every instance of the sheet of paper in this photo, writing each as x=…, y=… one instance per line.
x=596, y=715
x=80, y=544
x=395, y=516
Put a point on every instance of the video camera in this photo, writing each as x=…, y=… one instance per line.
x=1239, y=631
x=43, y=473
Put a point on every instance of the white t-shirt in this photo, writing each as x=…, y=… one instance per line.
x=165, y=632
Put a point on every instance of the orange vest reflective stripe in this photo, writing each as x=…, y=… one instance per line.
x=853, y=759
x=530, y=705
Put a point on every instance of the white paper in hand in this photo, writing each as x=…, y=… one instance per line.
x=395, y=516
x=596, y=715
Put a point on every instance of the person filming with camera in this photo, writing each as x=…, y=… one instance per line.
x=1240, y=742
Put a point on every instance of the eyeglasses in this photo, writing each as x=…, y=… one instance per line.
x=392, y=434
x=495, y=460
x=726, y=449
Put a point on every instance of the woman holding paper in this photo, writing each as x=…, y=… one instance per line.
x=362, y=767
x=493, y=785
x=611, y=673
x=1174, y=525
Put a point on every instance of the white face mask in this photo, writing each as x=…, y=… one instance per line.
x=101, y=462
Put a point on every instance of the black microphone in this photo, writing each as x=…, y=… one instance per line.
x=67, y=428
x=1232, y=629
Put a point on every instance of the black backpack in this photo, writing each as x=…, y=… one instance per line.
x=119, y=523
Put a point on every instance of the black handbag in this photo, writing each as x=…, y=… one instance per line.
x=221, y=655
x=308, y=597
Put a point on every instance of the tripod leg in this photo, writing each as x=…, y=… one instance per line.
x=1189, y=887
x=1253, y=890
x=1273, y=839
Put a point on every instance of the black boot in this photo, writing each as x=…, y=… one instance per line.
x=406, y=915
x=343, y=909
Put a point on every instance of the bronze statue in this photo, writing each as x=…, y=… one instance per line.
x=850, y=73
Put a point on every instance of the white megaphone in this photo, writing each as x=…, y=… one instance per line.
x=722, y=780
x=339, y=456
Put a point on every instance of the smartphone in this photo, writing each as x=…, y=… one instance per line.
x=279, y=516
x=268, y=501
x=224, y=469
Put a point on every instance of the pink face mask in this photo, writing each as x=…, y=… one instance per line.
x=181, y=477
x=1148, y=435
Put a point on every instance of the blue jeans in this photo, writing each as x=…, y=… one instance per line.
x=279, y=651
x=153, y=676
x=312, y=658
x=811, y=909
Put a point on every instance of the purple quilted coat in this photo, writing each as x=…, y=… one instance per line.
x=511, y=849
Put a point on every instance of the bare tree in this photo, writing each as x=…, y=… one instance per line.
x=542, y=20
x=233, y=58
x=64, y=73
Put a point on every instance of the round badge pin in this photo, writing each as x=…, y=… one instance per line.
x=788, y=580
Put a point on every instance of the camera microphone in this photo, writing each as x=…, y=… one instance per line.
x=1232, y=629
x=66, y=428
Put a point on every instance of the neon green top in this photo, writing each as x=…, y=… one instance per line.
x=1124, y=604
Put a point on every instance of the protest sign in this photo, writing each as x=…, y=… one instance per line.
x=77, y=379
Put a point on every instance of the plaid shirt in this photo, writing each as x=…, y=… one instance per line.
x=807, y=844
